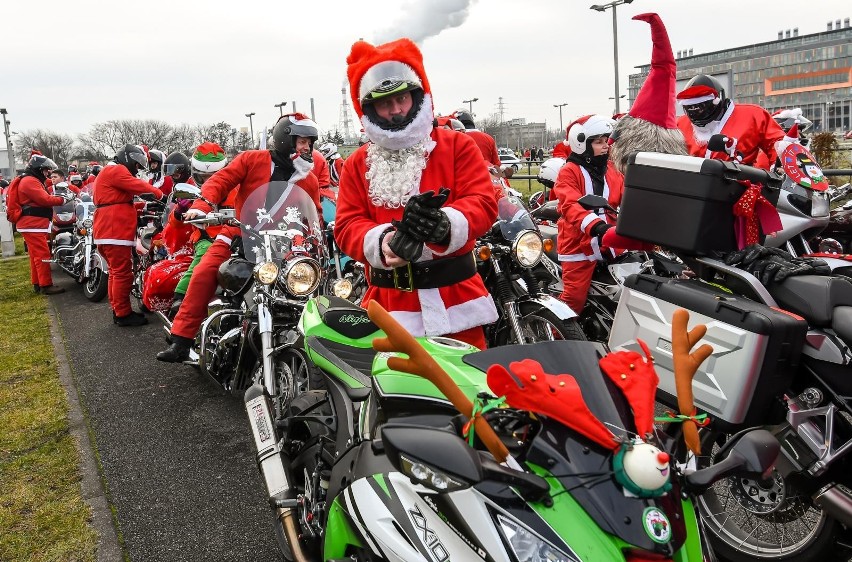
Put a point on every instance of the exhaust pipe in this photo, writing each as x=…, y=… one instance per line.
x=272, y=466
x=836, y=502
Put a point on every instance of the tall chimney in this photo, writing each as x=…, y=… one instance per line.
x=795, y=32
x=690, y=52
x=313, y=117
x=780, y=35
x=846, y=22
x=836, y=24
x=828, y=26
x=787, y=34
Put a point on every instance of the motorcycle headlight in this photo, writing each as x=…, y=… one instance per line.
x=527, y=248
x=429, y=476
x=342, y=288
x=302, y=276
x=87, y=223
x=528, y=546
x=266, y=272
x=819, y=204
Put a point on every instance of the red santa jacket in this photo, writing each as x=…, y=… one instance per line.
x=456, y=163
x=35, y=195
x=575, y=223
x=321, y=169
x=486, y=144
x=248, y=171
x=115, y=215
x=751, y=125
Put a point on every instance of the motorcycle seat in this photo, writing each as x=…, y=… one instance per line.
x=813, y=297
x=345, y=317
x=842, y=323
x=547, y=212
x=550, y=232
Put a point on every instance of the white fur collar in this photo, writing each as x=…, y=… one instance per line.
x=416, y=131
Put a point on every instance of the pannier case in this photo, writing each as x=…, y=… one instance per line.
x=756, y=348
x=684, y=202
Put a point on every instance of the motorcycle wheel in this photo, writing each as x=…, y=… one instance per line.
x=540, y=324
x=95, y=286
x=747, y=520
x=294, y=375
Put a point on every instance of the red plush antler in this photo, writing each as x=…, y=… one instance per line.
x=636, y=378
x=529, y=388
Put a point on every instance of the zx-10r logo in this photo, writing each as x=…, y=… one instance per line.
x=354, y=319
x=428, y=536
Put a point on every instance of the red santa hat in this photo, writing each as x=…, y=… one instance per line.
x=365, y=56
x=793, y=134
x=655, y=100
x=697, y=94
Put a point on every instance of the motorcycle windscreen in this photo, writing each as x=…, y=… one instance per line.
x=513, y=217
x=288, y=214
x=66, y=209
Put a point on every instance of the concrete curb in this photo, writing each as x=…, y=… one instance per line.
x=109, y=549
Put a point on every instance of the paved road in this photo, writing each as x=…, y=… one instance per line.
x=176, y=453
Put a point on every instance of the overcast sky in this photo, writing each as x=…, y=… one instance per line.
x=73, y=63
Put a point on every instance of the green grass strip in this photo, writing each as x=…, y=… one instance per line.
x=42, y=514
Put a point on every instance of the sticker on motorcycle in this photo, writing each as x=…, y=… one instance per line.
x=801, y=167
x=656, y=525
x=428, y=536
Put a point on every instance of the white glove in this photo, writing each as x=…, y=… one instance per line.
x=68, y=196
x=194, y=214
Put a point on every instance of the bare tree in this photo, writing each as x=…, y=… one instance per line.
x=220, y=133
x=58, y=147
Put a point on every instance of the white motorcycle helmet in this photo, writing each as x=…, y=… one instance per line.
x=586, y=128
x=549, y=171
x=329, y=151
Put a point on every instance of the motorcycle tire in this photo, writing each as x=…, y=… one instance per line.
x=539, y=324
x=95, y=286
x=749, y=521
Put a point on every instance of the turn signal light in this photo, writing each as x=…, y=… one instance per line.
x=548, y=244
x=483, y=253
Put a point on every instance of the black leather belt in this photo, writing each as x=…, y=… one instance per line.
x=425, y=275
x=111, y=204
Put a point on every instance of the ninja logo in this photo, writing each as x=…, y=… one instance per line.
x=428, y=536
x=354, y=319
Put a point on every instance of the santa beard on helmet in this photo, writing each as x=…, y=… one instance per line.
x=396, y=158
x=639, y=135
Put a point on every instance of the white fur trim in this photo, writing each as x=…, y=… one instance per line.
x=459, y=231
x=439, y=321
x=588, y=220
x=222, y=238
x=575, y=257
x=303, y=167
x=416, y=131
x=114, y=242
x=693, y=101
x=372, y=248
x=46, y=229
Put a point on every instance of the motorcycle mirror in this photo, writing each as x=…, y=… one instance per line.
x=594, y=202
x=752, y=452
x=186, y=191
x=717, y=143
x=433, y=457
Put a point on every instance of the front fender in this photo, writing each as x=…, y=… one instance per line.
x=554, y=305
x=99, y=262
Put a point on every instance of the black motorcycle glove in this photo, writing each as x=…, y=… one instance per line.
x=599, y=230
x=773, y=265
x=423, y=220
x=405, y=246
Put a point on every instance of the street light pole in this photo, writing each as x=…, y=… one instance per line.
x=603, y=8
x=560, y=106
x=280, y=107
x=9, y=153
x=251, y=126
x=470, y=104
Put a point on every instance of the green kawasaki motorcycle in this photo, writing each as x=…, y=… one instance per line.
x=379, y=465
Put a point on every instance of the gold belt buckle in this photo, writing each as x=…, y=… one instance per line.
x=410, y=287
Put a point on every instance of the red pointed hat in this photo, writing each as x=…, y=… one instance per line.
x=655, y=102
x=365, y=56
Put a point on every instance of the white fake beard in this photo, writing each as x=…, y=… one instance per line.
x=413, y=133
x=394, y=175
x=702, y=134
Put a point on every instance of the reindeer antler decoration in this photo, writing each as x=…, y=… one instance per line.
x=685, y=366
x=421, y=363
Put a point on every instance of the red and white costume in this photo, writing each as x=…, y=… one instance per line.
x=752, y=126
x=451, y=160
x=248, y=171
x=320, y=169
x=578, y=250
x=114, y=230
x=486, y=144
x=34, y=225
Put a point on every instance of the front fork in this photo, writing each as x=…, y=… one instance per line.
x=264, y=325
x=508, y=301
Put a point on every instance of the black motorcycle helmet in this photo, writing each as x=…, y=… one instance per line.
x=96, y=169
x=466, y=118
x=131, y=157
x=287, y=129
x=385, y=79
x=178, y=166
x=707, y=110
x=155, y=157
x=40, y=166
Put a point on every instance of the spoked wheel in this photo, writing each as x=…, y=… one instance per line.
x=540, y=324
x=748, y=519
x=294, y=375
x=95, y=286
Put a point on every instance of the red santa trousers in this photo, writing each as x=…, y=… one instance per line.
x=120, y=263
x=576, y=279
x=202, y=287
x=39, y=251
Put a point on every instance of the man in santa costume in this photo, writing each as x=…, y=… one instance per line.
x=115, y=227
x=290, y=161
x=486, y=143
x=708, y=111
x=413, y=200
x=588, y=171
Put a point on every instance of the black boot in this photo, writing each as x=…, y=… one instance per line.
x=36, y=288
x=52, y=290
x=131, y=320
x=173, y=310
x=178, y=352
